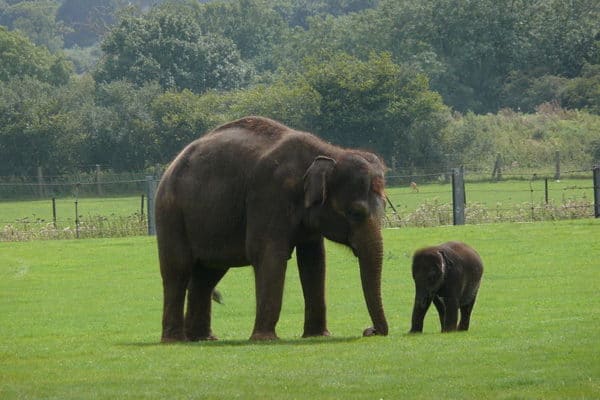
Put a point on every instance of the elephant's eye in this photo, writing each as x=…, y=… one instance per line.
x=357, y=212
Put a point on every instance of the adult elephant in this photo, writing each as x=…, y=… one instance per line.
x=248, y=193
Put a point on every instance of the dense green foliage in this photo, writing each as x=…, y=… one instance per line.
x=21, y=58
x=81, y=319
x=383, y=75
x=524, y=140
x=170, y=48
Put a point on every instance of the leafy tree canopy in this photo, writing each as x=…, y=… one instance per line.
x=35, y=19
x=19, y=57
x=87, y=20
x=378, y=105
x=171, y=49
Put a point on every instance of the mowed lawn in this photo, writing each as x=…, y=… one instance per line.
x=81, y=320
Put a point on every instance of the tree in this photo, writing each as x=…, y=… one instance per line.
x=254, y=27
x=482, y=44
x=179, y=119
x=380, y=106
x=583, y=92
x=19, y=58
x=36, y=128
x=298, y=12
x=170, y=48
x=37, y=20
x=88, y=20
x=290, y=99
x=562, y=37
x=120, y=131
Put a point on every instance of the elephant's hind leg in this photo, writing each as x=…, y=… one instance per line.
x=198, y=314
x=175, y=268
x=465, y=315
x=441, y=309
x=174, y=287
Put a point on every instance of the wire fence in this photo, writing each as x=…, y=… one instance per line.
x=80, y=206
x=519, y=197
x=89, y=205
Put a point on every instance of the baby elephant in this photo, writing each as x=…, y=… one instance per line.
x=449, y=275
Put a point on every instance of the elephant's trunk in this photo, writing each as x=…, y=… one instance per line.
x=370, y=258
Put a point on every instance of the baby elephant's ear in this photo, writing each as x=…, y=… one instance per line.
x=315, y=181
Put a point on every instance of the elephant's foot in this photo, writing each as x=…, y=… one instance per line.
x=172, y=334
x=172, y=339
x=316, y=334
x=264, y=336
x=371, y=331
x=199, y=334
x=202, y=338
x=448, y=329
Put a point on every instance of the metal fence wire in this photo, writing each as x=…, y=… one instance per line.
x=71, y=207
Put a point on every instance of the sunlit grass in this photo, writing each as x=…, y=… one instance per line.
x=81, y=319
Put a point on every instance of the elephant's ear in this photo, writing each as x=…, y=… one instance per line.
x=443, y=260
x=315, y=180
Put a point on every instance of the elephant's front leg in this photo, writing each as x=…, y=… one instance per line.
x=422, y=303
x=269, y=275
x=311, y=266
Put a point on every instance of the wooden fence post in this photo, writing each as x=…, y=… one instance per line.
x=150, y=192
x=597, y=191
x=77, y=217
x=497, y=172
x=54, y=212
x=458, y=196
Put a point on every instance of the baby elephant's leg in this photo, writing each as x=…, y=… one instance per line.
x=441, y=309
x=451, y=317
x=465, y=315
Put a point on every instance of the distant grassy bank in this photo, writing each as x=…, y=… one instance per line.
x=430, y=205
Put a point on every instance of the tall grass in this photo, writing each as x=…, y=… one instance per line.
x=81, y=320
x=527, y=140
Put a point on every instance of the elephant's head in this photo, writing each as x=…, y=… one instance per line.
x=428, y=270
x=345, y=201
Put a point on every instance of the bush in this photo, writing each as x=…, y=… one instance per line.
x=523, y=140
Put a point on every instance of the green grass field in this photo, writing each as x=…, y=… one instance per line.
x=80, y=319
x=11, y=211
x=491, y=194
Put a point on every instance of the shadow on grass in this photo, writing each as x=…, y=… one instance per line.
x=246, y=342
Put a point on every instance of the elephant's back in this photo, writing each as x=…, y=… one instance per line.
x=254, y=129
x=229, y=152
